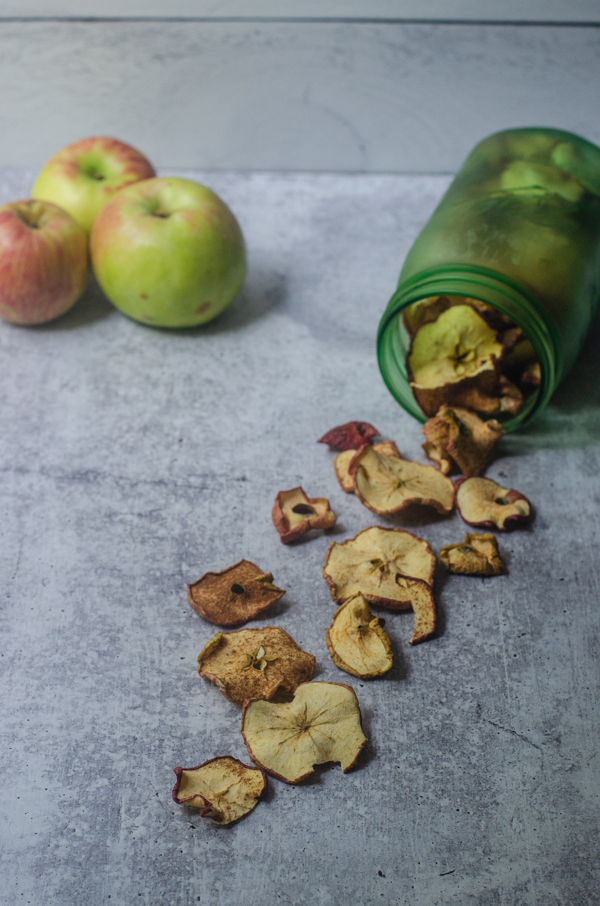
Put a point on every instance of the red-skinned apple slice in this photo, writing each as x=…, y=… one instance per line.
x=223, y=788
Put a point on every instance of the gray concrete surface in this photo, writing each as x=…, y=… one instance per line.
x=132, y=460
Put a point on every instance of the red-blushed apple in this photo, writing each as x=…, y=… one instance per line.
x=168, y=252
x=85, y=175
x=43, y=261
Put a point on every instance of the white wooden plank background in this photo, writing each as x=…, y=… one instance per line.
x=478, y=10
x=370, y=97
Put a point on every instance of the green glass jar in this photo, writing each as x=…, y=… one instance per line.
x=518, y=229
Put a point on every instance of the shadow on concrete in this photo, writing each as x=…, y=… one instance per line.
x=92, y=306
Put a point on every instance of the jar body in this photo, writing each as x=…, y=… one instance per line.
x=519, y=229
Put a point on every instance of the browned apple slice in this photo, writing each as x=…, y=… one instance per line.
x=386, y=484
x=235, y=595
x=484, y=503
x=477, y=556
x=294, y=514
x=357, y=641
x=223, y=788
x=341, y=463
x=460, y=436
x=321, y=724
x=254, y=663
x=350, y=436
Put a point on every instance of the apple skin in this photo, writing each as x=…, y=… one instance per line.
x=85, y=175
x=43, y=261
x=168, y=252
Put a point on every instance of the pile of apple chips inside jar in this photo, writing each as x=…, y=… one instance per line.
x=466, y=353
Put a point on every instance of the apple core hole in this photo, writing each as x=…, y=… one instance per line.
x=501, y=501
x=303, y=509
x=237, y=589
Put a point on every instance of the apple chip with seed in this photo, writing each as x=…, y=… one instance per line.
x=460, y=436
x=235, y=595
x=321, y=724
x=350, y=436
x=294, y=514
x=341, y=463
x=386, y=484
x=477, y=556
x=454, y=361
x=223, y=788
x=357, y=641
x=254, y=663
x=482, y=502
x=390, y=567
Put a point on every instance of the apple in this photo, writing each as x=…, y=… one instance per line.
x=168, y=252
x=83, y=176
x=43, y=261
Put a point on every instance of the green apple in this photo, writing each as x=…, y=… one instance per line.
x=168, y=252
x=43, y=261
x=85, y=175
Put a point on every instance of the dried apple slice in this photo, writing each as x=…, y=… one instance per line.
x=350, y=436
x=341, y=463
x=357, y=641
x=255, y=663
x=454, y=361
x=477, y=556
x=386, y=484
x=390, y=567
x=223, y=788
x=425, y=311
x=294, y=514
x=235, y=595
x=484, y=503
x=532, y=376
x=460, y=436
x=321, y=724
x=511, y=397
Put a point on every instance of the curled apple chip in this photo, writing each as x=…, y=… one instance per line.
x=357, y=641
x=294, y=514
x=235, y=595
x=321, y=724
x=459, y=436
x=223, y=788
x=482, y=502
x=477, y=556
x=390, y=567
x=254, y=663
x=387, y=484
x=350, y=436
x=341, y=463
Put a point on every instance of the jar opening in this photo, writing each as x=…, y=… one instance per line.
x=495, y=291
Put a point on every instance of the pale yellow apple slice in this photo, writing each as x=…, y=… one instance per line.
x=223, y=788
x=386, y=484
x=357, y=641
x=321, y=724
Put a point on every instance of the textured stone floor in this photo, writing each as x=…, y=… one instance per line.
x=132, y=460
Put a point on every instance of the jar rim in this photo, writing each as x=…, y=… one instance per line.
x=492, y=288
